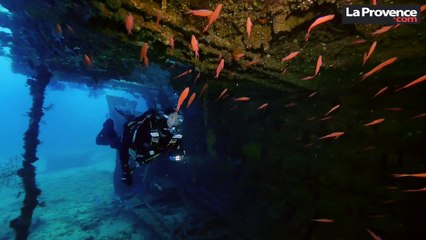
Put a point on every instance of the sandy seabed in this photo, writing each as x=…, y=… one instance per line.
x=78, y=203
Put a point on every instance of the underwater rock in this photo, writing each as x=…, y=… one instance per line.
x=113, y=5
x=284, y=23
x=261, y=36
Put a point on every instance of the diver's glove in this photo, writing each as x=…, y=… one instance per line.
x=126, y=178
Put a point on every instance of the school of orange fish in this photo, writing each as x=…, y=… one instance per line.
x=214, y=15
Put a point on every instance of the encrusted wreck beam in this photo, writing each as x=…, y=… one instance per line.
x=97, y=28
x=22, y=223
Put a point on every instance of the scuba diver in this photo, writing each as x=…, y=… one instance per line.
x=147, y=136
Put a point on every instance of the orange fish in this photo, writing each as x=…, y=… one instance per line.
x=184, y=73
x=157, y=22
x=172, y=42
x=421, y=115
x=143, y=55
x=289, y=105
x=308, y=78
x=70, y=29
x=308, y=145
x=242, y=99
x=323, y=220
x=397, y=25
x=58, y=32
x=233, y=108
x=373, y=235
x=359, y=41
x=252, y=63
x=182, y=97
x=88, y=61
x=238, y=56
x=377, y=121
x=263, y=106
x=197, y=77
x=221, y=94
x=379, y=67
x=290, y=56
x=220, y=68
x=382, y=30
x=129, y=23
x=419, y=175
x=312, y=94
x=423, y=8
x=333, y=109
x=393, y=109
x=203, y=89
x=325, y=118
x=418, y=80
x=416, y=190
x=319, y=64
x=334, y=135
x=380, y=92
x=58, y=29
x=200, y=12
x=317, y=22
x=213, y=17
x=219, y=57
x=249, y=25
x=366, y=57
x=194, y=44
x=191, y=99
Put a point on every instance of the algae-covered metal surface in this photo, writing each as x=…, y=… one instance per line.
x=300, y=148
x=62, y=32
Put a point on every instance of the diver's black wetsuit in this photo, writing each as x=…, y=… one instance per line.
x=148, y=136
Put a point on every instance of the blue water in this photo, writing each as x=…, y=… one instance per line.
x=69, y=127
x=68, y=155
x=15, y=101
